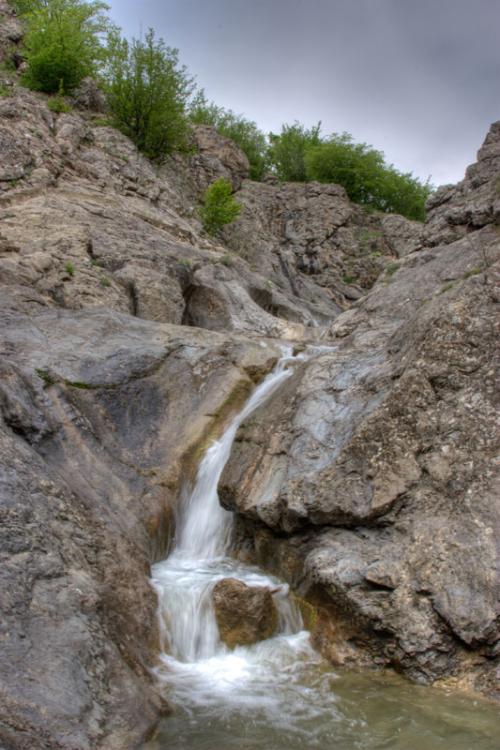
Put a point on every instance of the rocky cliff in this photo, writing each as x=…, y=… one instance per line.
x=128, y=338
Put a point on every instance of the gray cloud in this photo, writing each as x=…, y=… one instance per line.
x=418, y=80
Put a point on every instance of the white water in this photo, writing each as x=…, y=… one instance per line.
x=196, y=666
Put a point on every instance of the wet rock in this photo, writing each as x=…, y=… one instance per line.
x=373, y=468
x=245, y=614
x=100, y=414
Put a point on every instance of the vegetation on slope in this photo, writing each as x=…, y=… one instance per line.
x=153, y=100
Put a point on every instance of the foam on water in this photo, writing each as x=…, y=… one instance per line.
x=197, y=667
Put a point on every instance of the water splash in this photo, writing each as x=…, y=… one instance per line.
x=184, y=581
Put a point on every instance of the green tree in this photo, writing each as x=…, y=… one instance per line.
x=64, y=42
x=367, y=178
x=245, y=133
x=287, y=150
x=219, y=207
x=27, y=6
x=148, y=91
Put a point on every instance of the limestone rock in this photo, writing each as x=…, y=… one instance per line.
x=372, y=470
x=100, y=414
x=129, y=339
x=89, y=96
x=245, y=614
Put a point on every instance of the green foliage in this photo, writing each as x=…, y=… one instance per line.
x=58, y=104
x=4, y=91
x=219, y=206
x=287, y=150
x=242, y=131
x=27, y=6
x=63, y=43
x=148, y=91
x=8, y=65
x=70, y=269
x=366, y=177
x=101, y=122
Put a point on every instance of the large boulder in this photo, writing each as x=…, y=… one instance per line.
x=244, y=614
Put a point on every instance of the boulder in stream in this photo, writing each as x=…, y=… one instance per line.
x=244, y=614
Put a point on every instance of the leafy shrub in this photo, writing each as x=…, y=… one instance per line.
x=58, y=104
x=26, y=6
x=287, y=150
x=219, y=206
x=148, y=91
x=242, y=131
x=366, y=177
x=63, y=43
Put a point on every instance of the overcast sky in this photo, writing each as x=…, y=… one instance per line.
x=417, y=79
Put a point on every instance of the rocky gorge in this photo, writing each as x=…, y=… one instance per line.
x=130, y=338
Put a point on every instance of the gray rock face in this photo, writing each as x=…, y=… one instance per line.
x=100, y=416
x=314, y=230
x=377, y=460
x=127, y=240
x=128, y=338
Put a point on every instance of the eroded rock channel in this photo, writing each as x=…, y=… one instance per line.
x=360, y=495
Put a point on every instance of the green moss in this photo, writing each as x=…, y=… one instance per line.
x=391, y=269
x=349, y=278
x=447, y=287
x=308, y=611
x=58, y=105
x=472, y=272
x=227, y=409
x=102, y=122
x=47, y=378
x=79, y=384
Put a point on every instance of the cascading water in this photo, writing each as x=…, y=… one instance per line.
x=184, y=581
x=278, y=694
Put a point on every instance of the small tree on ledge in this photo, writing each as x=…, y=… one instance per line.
x=219, y=206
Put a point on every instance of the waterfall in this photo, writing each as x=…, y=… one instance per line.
x=204, y=528
x=184, y=581
x=277, y=693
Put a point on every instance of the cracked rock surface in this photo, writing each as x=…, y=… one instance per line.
x=129, y=338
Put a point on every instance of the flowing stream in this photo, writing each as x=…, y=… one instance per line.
x=278, y=694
